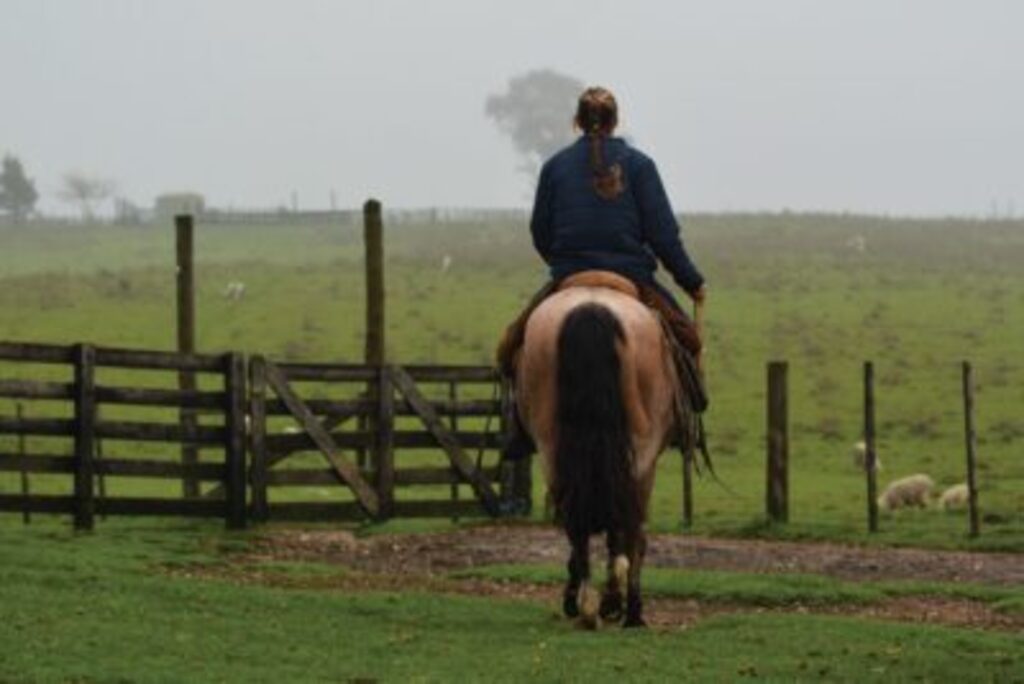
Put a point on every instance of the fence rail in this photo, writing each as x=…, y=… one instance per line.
x=374, y=422
x=85, y=428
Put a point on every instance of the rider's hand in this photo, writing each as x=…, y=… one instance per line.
x=700, y=295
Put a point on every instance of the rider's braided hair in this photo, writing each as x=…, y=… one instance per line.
x=597, y=114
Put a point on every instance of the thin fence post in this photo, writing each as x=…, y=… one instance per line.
x=26, y=512
x=453, y=416
x=373, y=244
x=385, y=443
x=506, y=472
x=186, y=310
x=85, y=435
x=362, y=426
x=687, y=488
x=373, y=236
x=101, y=476
x=777, y=489
x=971, y=441
x=234, y=446
x=257, y=439
x=870, y=454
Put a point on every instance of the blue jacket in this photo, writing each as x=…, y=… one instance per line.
x=575, y=229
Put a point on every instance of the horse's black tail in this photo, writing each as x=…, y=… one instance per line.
x=594, y=489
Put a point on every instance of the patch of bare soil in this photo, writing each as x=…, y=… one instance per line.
x=423, y=561
x=518, y=544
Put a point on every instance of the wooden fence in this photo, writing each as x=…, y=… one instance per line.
x=383, y=427
x=383, y=411
x=85, y=428
x=777, y=481
x=367, y=438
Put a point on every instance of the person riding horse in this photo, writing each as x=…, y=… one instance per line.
x=601, y=206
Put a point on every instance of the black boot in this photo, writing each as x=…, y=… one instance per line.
x=518, y=443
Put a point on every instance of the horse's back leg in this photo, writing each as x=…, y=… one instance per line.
x=579, y=571
x=637, y=549
x=611, y=599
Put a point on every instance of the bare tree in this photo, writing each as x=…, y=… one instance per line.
x=536, y=113
x=85, y=192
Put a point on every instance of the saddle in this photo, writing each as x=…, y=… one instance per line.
x=606, y=279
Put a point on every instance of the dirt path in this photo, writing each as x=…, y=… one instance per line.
x=424, y=561
x=500, y=544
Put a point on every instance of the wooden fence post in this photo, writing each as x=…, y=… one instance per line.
x=186, y=308
x=257, y=436
x=506, y=472
x=101, y=477
x=870, y=457
x=373, y=236
x=26, y=512
x=85, y=434
x=687, y=489
x=373, y=243
x=385, y=451
x=777, y=490
x=971, y=442
x=453, y=424
x=234, y=447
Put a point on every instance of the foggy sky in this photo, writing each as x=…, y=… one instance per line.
x=893, y=106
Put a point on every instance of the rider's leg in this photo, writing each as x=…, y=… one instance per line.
x=518, y=444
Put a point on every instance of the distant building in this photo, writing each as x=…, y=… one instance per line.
x=174, y=203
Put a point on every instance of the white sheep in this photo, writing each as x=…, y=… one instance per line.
x=859, y=454
x=955, y=497
x=914, y=490
x=234, y=291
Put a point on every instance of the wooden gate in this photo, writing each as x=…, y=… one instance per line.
x=378, y=429
x=95, y=413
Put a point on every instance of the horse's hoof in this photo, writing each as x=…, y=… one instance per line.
x=570, y=606
x=611, y=607
x=631, y=623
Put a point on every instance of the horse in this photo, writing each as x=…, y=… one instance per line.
x=596, y=391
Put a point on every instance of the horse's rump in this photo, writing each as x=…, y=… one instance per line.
x=644, y=365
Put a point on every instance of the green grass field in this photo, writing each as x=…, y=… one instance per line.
x=917, y=299
x=130, y=604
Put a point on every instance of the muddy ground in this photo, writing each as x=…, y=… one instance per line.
x=424, y=561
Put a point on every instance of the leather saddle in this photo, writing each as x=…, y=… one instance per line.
x=606, y=279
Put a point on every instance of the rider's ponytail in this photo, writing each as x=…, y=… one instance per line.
x=597, y=114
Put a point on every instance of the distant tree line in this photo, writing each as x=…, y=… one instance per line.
x=19, y=195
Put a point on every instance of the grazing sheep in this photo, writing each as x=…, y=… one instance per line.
x=955, y=497
x=446, y=263
x=859, y=454
x=914, y=490
x=234, y=291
